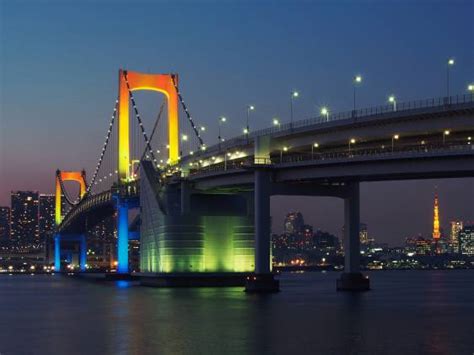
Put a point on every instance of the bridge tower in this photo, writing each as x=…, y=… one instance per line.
x=131, y=81
x=80, y=178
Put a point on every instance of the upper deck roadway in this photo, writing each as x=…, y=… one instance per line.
x=432, y=138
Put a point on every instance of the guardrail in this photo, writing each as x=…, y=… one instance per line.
x=445, y=102
x=399, y=151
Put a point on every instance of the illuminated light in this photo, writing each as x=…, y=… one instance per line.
x=191, y=153
x=203, y=128
x=324, y=111
x=446, y=133
x=167, y=146
x=469, y=138
x=358, y=79
x=251, y=107
x=316, y=145
x=122, y=237
x=423, y=142
x=295, y=94
x=352, y=140
x=436, y=231
x=184, y=137
x=229, y=154
x=276, y=122
x=451, y=61
x=213, y=158
x=246, y=131
x=391, y=99
x=396, y=136
x=285, y=149
x=223, y=119
x=470, y=87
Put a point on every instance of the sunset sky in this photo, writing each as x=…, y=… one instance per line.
x=58, y=81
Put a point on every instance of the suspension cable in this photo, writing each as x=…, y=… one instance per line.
x=196, y=131
x=151, y=136
x=104, y=148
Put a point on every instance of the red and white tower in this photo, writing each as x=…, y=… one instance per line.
x=436, y=232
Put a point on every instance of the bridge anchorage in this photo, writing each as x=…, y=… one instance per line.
x=204, y=216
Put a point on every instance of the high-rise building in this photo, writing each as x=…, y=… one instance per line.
x=466, y=240
x=294, y=223
x=436, y=232
x=46, y=216
x=24, y=231
x=4, y=226
x=456, y=227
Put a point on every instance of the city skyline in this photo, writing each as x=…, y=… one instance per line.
x=39, y=104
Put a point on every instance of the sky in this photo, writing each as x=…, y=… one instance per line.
x=59, y=64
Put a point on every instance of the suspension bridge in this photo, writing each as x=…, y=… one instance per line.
x=204, y=210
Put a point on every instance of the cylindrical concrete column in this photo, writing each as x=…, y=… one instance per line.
x=262, y=222
x=351, y=229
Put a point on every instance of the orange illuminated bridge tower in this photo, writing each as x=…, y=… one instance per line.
x=163, y=83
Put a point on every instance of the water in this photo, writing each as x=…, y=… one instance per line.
x=407, y=312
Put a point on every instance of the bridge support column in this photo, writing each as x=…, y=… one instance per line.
x=352, y=279
x=57, y=252
x=262, y=280
x=122, y=236
x=82, y=252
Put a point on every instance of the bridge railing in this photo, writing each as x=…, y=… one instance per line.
x=445, y=102
x=399, y=151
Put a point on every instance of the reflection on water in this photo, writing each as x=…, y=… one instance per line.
x=406, y=312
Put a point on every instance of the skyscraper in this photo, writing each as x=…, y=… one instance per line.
x=466, y=240
x=294, y=223
x=24, y=219
x=436, y=232
x=46, y=216
x=456, y=227
x=4, y=225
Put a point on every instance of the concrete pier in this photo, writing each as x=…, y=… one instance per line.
x=352, y=279
x=263, y=279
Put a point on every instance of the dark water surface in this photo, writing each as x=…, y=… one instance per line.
x=407, y=312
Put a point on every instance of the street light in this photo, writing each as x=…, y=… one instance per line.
x=394, y=138
x=470, y=88
x=325, y=112
x=202, y=128
x=221, y=121
x=314, y=145
x=249, y=108
x=351, y=141
x=276, y=122
x=448, y=66
x=392, y=99
x=294, y=94
x=357, y=80
x=445, y=133
x=184, y=137
x=283, y=149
